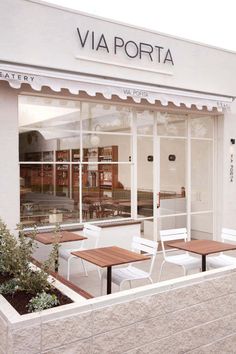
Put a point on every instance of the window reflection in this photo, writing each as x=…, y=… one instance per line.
x=201, y=127
x=105, y=117
x=144, y=122
x=169, y=124
x=106, y=191
x=76, y=161
x=64, y=179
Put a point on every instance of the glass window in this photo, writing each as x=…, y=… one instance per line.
x=106, y=191
x=106, y=117
x=202, y=226
x=172, y=176
x=144, y=121
x=63, y=179
x=169, y=124
x=145, y=176
x=76, y=161
x=106, y=148
x=172, y=222
x=201, y=127
x=201, y=175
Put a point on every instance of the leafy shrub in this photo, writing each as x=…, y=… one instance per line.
x=9, y=287
x=8, y=250
x=16, y=256
x=42, y=301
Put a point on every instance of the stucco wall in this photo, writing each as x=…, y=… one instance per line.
x=229, y=187
x=9, y=156
x=54, y=42
x=195, y=314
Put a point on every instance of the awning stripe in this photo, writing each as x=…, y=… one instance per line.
x=17, y=75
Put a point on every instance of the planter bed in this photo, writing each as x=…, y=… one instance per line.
x=21, y=299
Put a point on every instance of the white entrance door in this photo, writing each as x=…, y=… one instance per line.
x=184, y=163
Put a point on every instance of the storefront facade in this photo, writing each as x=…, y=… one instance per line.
x=104, y=121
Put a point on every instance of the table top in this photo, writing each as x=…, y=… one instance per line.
x=110, y=256
x=203, y=247
x=48, y=238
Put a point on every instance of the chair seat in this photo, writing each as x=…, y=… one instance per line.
x=185, y=260
x=222, y=260
x=66, y=252
x=127, y=273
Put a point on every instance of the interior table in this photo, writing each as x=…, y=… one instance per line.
x=48, y=238
x=107, y=257
x=203, y=248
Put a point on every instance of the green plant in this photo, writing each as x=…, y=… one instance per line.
x=9, y=287
x=52, y=262
x=8, y=250
x=16, y=256
x=42, y=301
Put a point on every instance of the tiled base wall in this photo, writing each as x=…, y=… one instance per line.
x=196, y=318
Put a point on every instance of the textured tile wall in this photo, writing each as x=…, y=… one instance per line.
x=197, y=318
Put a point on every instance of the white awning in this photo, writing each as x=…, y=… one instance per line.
x=37, y=78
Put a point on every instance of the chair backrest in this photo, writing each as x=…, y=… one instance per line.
x=172, y=235
x=92, y=230
x=149, y=247
x=228, y=235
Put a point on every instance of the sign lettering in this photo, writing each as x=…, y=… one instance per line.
x=16, y=76
x=135, y=93
x=119, y=46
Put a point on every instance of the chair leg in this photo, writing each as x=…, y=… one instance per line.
x=68, y=269
x=121, y=284
x=101, y=283
x=150, y=279
x=162, y=264
x=99, y=273
x=84, y=268
x=185, y=271
x=130, y=284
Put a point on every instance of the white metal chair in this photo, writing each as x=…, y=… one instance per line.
x=223, y=260
x=129, y=273
x=88, y=230
x=184, y=260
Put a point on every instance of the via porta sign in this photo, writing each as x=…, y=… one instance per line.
x=135, y=93
x=117, y=45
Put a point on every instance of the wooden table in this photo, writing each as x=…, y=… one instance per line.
x=48, y=238
x=202, y=247
x=107, y=257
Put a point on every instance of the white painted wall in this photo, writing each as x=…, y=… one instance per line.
x=9, y=177
x=229, y=188
x=51, y=40
x=54, y=43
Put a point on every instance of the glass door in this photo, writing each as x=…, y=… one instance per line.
x=202, y=183
x=184, y=161
x=173, y=181
x=172, y=169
